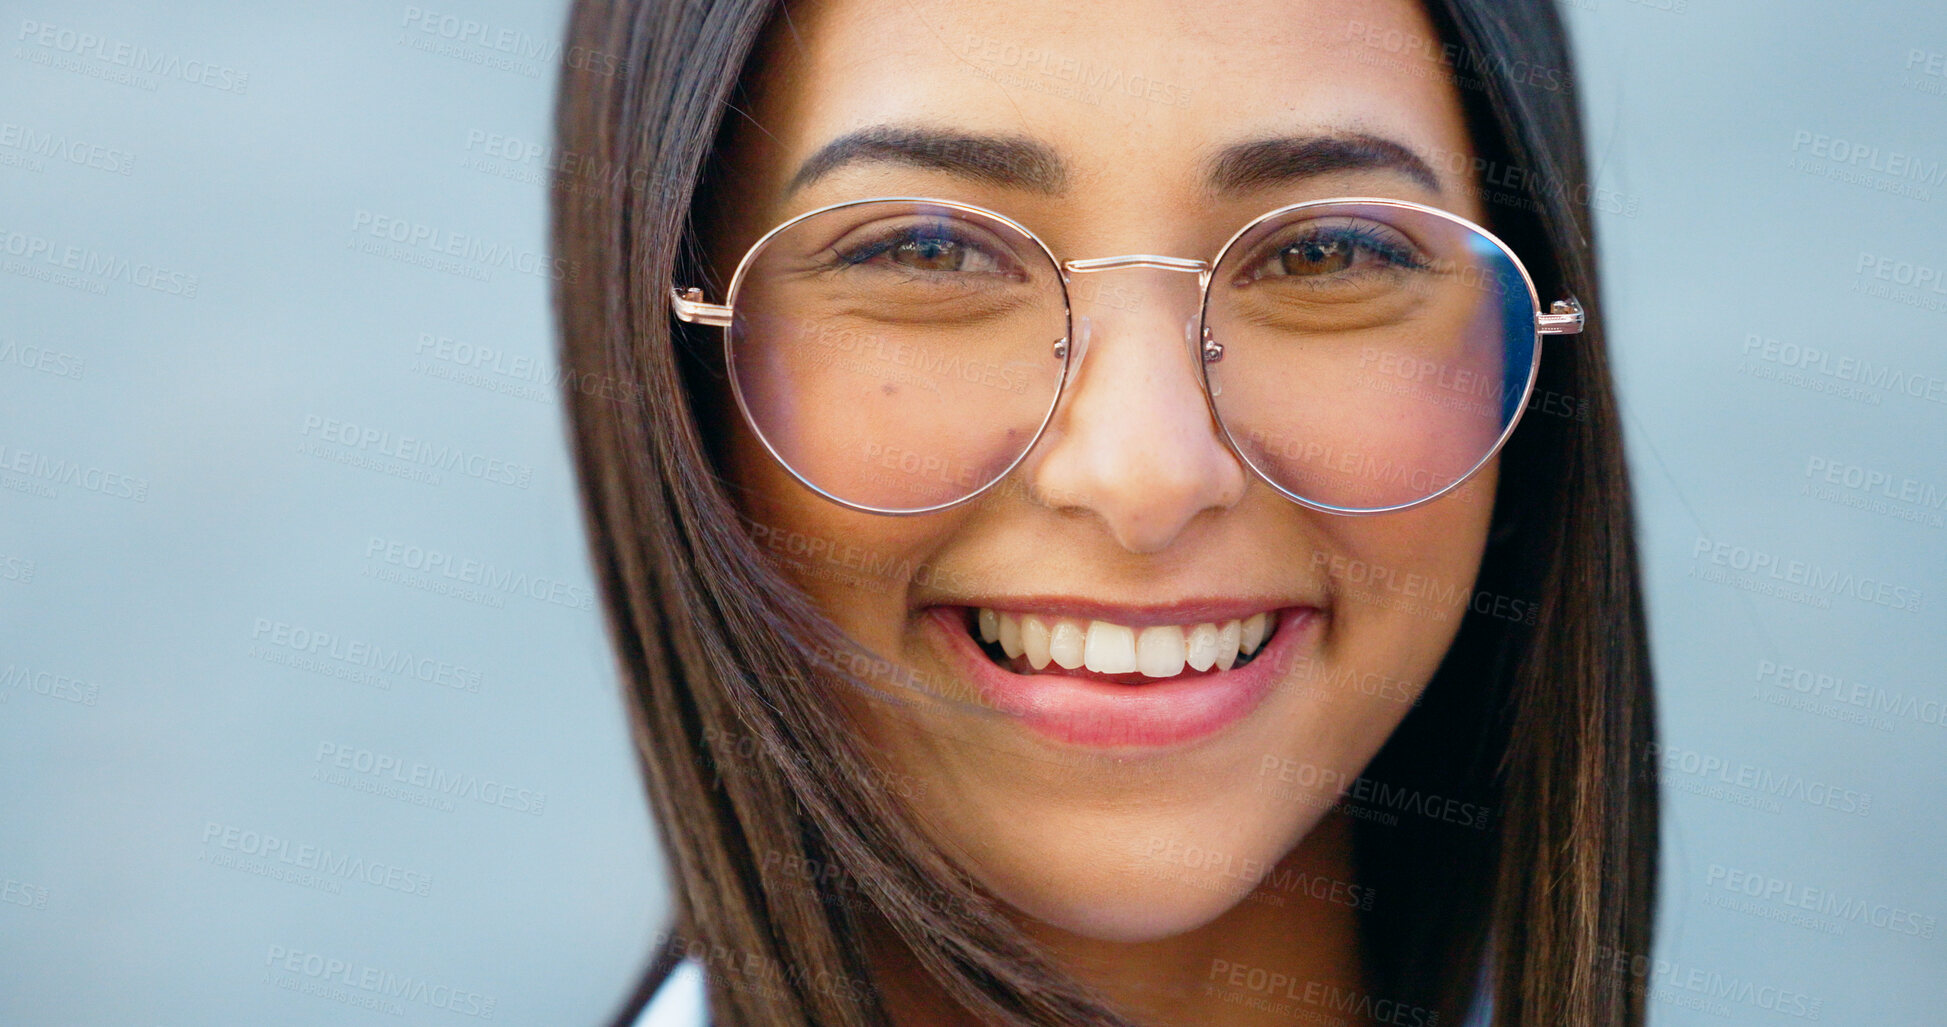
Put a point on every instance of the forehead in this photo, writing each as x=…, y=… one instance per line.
x=1136, y=99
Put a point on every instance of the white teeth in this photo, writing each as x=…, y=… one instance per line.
x=1067, y=644
x=1253, y=633
x=1111, y=648
x=1202, y=647
x=1035, y=638
x=1011, y=635
x=1159, y=651
x=1227, y=638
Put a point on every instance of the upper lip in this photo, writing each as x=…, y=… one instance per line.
x=1196, y=610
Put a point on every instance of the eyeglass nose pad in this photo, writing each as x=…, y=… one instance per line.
x=1204, y=351
x=1078, y=346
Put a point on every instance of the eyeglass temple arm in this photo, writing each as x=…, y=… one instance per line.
x=691, y=308
x=1564, y=317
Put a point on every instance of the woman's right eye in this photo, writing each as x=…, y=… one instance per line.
x=927, y=252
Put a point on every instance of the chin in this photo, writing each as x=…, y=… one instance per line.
x=1133, y=908
x=1145, y=892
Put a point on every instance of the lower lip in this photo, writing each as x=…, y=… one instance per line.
x=1100, y=714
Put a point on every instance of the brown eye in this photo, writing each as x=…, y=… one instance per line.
x=1317, y=256
x=1334, y=254
x=940, y=252
x=932, y=255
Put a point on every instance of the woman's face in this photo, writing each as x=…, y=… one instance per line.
x=1134, y=808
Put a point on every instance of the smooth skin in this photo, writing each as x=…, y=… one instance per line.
x=1136, y=867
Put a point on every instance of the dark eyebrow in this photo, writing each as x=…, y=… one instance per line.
x=1023, y=163
x=1267, y=162
x=998, y=160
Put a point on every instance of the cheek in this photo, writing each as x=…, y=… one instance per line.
x=855, y=567
x=1401, y=585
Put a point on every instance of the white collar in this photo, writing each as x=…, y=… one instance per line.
x=680, y=1001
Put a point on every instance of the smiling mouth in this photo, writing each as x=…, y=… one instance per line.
x=1029, y=644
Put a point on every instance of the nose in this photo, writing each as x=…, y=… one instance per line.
x=1133, y=440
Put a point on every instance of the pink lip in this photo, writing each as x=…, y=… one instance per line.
x=1098, y=714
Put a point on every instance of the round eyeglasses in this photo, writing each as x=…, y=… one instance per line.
x=902, y=355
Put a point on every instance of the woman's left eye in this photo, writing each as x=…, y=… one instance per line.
x=1322, y=254
x=1317, y=256
x=938, y=254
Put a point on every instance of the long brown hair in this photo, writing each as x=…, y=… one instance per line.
x=1543, y=720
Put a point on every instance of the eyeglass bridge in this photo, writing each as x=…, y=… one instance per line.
x=1213, y=351
x=1137, y=260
